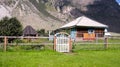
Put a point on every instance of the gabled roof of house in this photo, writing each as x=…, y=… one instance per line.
x=28, y=31
x=84, y=21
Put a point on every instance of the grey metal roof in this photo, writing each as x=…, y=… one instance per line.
x=84, y=22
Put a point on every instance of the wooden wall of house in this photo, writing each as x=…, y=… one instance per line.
x=80, y=32
x=98, y=32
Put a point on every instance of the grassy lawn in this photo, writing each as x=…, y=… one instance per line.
x=48, y=58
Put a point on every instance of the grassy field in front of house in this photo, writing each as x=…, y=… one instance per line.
x=49, y=58
x=83, y=55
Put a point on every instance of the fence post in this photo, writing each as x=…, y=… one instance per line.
x=70, y=44
x=5, y=43
x=54, y=43
x=96, y=38
x=106, y=42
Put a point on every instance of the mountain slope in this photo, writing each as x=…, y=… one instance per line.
x=31, y=12
x=51, y=14
x=104, y=11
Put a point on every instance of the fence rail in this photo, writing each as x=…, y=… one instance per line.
x=97, y=43
x=115, y=37
x=26, y=44
x=20, y=37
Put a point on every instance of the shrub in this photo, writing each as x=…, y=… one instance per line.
x=10, y=27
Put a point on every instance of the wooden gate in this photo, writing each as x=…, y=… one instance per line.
x=62, y=42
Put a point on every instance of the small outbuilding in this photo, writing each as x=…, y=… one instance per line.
x=29, y=31
x=84, y=28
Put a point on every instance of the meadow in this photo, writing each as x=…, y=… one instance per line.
x=82, y=55
x=49, y=58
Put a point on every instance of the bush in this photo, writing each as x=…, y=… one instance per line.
x=18, y=41
x=10, y=27
x=42, y=32
x=1, y=48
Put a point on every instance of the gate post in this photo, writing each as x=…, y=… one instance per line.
x=54, y=47
x=5, y=43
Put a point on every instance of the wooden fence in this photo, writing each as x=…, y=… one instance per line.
x=6, y=38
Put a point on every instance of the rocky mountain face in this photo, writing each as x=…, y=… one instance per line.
x=32, y=12
x=51, y=14
x=104, y=11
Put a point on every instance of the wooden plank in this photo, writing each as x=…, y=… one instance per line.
x=5, y=43
x=87, y=36
x=22, y=37
x=54, y=43
x=106, y=43
x=70, y=44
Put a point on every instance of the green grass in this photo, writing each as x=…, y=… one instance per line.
x=83, y=55
x=101, y=41
x=47, y=58
x=78, y=47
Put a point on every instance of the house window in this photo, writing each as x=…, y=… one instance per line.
x=90, y=31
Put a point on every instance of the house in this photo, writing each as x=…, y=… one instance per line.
x=84, y=28
x=29, y=31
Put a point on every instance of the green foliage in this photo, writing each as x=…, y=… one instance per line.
x=42, y=32
x=17, y=48
x=1, y=47
x=10, y=27
x=11, y=48
x=18, y=41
